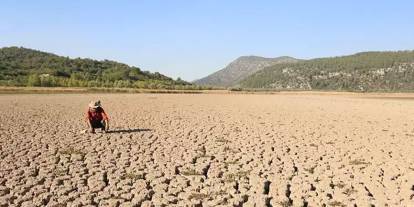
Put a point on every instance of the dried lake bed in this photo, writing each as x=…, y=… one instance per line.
x=287, y=149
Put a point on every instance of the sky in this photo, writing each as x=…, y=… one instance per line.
x=191, y=39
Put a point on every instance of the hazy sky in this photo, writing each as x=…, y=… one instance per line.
x=191, y=39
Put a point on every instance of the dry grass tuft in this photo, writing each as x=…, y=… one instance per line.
x=337, y=203
x=349, y=191
x=285, y=203
x=133, y=176
x=198, y=196
x=235, y=176
x=221, y=140
x=191, y=173
x=359, y=162
x=72, y=151
x=310, y=170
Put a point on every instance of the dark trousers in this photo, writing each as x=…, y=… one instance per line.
x=97, y=124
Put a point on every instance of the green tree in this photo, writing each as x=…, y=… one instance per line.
x=33, y=80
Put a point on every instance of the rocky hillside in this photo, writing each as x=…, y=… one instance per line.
x=239, y=69
x=27, y=67
x=367, y=71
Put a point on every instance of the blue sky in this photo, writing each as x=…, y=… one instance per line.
x=191, y=39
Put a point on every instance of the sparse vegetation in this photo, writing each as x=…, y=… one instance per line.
x=337, y=203
x=310, y=170
x=235, y=176
x=203, y=153
x=221, y=140
x=198, y=196
x=51, y=90
x=230, y=178
x=133, y=176
x=203, y=196
x=340, y=185
x=285, y=203
x=72, y=151
x=235, y=89
x=349, y=191
x=359, y=162
x=60, y=171
x=313, y=145
x=230, y=150
x=231, y=162
x=191, y=172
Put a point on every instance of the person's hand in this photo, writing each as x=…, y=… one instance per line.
x=106, y=126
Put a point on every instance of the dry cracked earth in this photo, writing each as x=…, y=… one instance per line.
x=208, y=150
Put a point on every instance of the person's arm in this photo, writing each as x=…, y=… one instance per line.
x=106, y=120
x=88, y=120
x=106, y=125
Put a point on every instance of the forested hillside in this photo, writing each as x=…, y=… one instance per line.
x=27, y=67
x=367, y=71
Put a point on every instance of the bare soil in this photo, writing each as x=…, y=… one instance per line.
x=208, y=150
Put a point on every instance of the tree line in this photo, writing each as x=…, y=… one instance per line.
x=367, y=71
x=26, y=67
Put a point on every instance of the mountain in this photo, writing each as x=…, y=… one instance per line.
x=366, y=71
x=241, y=68
x=27, y=67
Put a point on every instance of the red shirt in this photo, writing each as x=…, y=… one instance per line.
x=97, y=115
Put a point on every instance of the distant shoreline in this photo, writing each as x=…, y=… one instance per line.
x=67, y=90
x=52, y=90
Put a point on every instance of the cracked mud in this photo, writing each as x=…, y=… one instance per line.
x=207, y=150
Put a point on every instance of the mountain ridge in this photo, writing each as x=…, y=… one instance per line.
x=239, y=69
x=364, y=71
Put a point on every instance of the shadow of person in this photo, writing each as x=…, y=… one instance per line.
x=128, y=130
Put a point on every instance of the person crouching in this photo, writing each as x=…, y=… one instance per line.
x=96, y=117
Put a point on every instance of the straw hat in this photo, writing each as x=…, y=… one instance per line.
x=95, y=104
